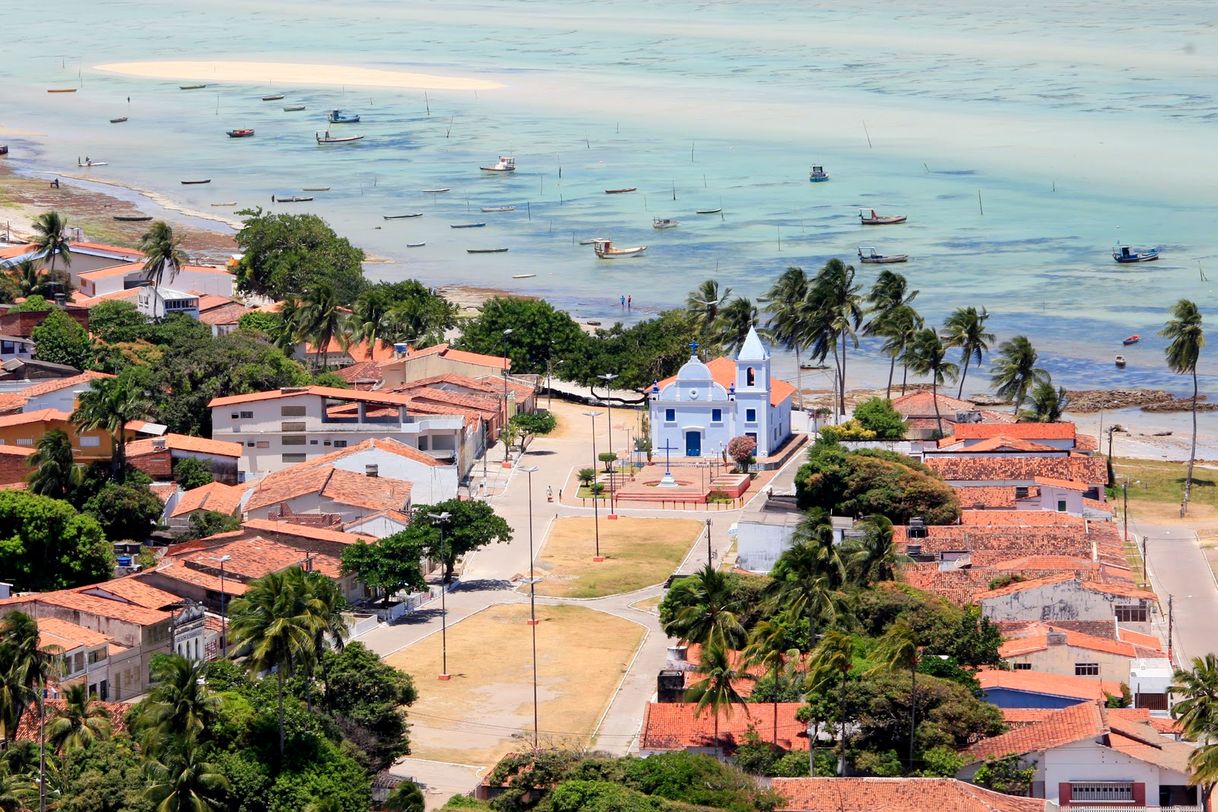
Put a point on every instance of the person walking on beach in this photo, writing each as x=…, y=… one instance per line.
x=629, y=302
x=623, y=298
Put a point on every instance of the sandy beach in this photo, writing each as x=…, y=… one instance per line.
x=294, y=73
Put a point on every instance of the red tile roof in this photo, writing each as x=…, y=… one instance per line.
x=302, y=531
x=674, y=726
x=66, y=636
x=1068, y=725
x=373, y=493
x=29, y=729
x=465, y=357
x=178, y=571
x=1092, y=470
x=288, y=484
x=358, y=351
x=1038, y=640
x=894, y=795
x=1039, y=682
x=1025, y=431
x=15, y=401
x=101, y=607
x=986, y=497
x=1068, y=484
x=1000, y=444
x=922, y=404
x=361, y=371
x=130, y=589
x=252, y=558
x=352, y=395
x=214, y=496
x=184, y=442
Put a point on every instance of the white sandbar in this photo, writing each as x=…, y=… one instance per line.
x=291, y=73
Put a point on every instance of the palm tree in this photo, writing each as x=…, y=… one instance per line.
x=1186, y=338
x=874, y=557
x=26, y=668
x=405, y=797
x=787, y=305
x=733, y=324
x=898, y=651
x=899, y=327
x=162, y=252
x=181, y=780
x=325, y=604
x=1048, y=403
x=1203, y=770
x=830, y=664
x=274, y=625
x=29, y=277
x=180, y=703
x=55, y=473
x=807, y=578
x=717, y=688
x=1196, y=709
x=889, y=302
x=322, y=319
x=110, y=404
x=768, y=648
x=50, y=240
x=1015, y=372
x=704, y=303
x=965, y=328
x=370, y=319
x=928, y=356
x=80, y=722
x=708, y=610
x=839, y=312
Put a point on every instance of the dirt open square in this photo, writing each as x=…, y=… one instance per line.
x=638, y=553
x=486, y=710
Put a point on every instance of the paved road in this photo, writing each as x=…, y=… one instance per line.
x=1179, y=568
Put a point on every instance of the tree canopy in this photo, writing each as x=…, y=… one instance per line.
x=538, y=334
x=287, y=254
x=61, y=340
x=45, y=544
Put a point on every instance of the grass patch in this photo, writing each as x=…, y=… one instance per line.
x=648, y=604
x=638, y=553
x=486, y=710
x=1163, y=481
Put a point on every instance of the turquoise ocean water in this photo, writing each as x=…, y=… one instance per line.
x=1022, y=142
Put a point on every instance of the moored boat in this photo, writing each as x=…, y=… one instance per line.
x=817, y=174
x=334, y=139
x=293, y=108
x=490, y=209
x=225, y=203
x=132, y=218
x=339, y=117
x=594, y=241
x=415, y=244
x=244, y=132
x=523, y=275
x=870, y=218
x=506, y=163
x=438, y=191
x=273, y=97
x=315, y=189
x=118, y=120
x=486, y=250
x=61, y=90
x=709, y=211
x=403, y=216
x=188, y=182
x=3, y=149
x=621, y=191
x=1120, y=362
x=191, y=87
x=663, y=223
x=467, y=225
x=1133, y=339
x=87, y=164
x=604, y=250
x=291, y=199
x=869, y=256
x=1125, y=254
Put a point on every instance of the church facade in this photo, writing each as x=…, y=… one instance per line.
x=699, y=410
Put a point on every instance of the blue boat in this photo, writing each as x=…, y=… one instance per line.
x=818, y=174
x=337, y=117
x=1124, y=254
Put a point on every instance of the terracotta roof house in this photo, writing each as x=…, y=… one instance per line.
x=323, y=489
x=1086, y=755
x=921, y=423
x=895, y=795
x=1065, y=596
x=670, y=726
x=1036, y=689
x=214, y=497
x=1021, y=469
x=54, y=393
x=157, y=456
x=1047, y=648
x=440, y=359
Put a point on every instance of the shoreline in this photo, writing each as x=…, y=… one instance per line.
x=297, y=73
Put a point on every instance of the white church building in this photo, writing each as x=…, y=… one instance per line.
x=698, y=411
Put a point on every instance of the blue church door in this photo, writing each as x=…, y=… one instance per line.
x=693, y=444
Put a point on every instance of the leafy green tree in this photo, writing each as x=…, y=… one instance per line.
x=639, y=355
x=471, y=526
x=416, y=314
x=702, y=609
x=898, y=650
x=59, y=339
x=890, y=306
x=110, y=404
x=116, y=322
x=48, y=545
x=283, y=254
x=1186, y=339
x=538, y=333
x=878, y=415
x=104, y=777
x=732, y=326
x=941, y=762
x=205, y=523
x=388, y=565
x=787, y=306
x=769, y=648
x=1048, y=403
x=1015, y=372
x=928, y=356
x=965, y=328
x=531, y=424
x=78, y=723
x=125, y=511
x=50, y=240
x=405, y=797
x=704, y=304
x=34, y=303
x=55, y=473
x=1008, y=774
x=191, y=473
x=261, y=321
x=323, y=319
x=838, y=309
x=874, y=557
x=807, y=578
x=365, y=694
x=26, y=279
x=182, y=780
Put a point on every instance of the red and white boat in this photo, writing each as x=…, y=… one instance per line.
x=244, y=132
x=868, y=217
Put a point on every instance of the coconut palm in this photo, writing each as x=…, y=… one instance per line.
x=704, y=303
x=717, y=688
x=898, y=651
x=732, y=325
x=928, y=356
x=162, y=253
x=50, y=240
x=1196, y=692
x=708, y=610
x=182, y=780
x=323, y=319
x=769, y=648
x=1186, y=338
x=874, y=557
x=807, y=578
x=275, y=627
x=55, y=473
x=110, y=404
x=787, y=306
x=1015, y=372
x=829, y=668
x=898, y=328
x=30, y=279
x=405, y=797
x=890, y=291
x=1048, y=403
x=78, y=723
x=965, y=328
x=26, y=668
x=179, y=703
x=838, y=312
x=371, y=319
x=325, y=604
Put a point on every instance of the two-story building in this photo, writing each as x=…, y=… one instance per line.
x=25, y=429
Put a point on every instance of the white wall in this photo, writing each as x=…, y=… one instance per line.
x=1088, y=761
x=429, y=483
x=1067, y=600
x=759, y=545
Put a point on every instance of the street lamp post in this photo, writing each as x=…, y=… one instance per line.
x=441, y=519
x=223, y=604
x=596, y=516
x=503, y=428
x=608, y=379
x=709, y=555
x=530, y=470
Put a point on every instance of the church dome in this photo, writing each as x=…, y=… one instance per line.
x=694, y=370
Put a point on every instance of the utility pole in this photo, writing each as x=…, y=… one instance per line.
x=709, y=555
x=1170, y=625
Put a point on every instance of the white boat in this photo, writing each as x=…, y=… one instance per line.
x=523, y=275
x=1120, y=362
x=817, y=174
x=331, y=139
x=506, y=164
x=594, y=241
x=664, y=222
x=869, y=256
x=868, y=217
x=604, y=250
x=415, y=244
x=403, y=216
x=441, y=190
x=490, y=209
x=1124, y=254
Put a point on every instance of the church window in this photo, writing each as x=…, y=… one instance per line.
x=670, y=415
x=750, y=415
x=750, y=377
x=716, y=415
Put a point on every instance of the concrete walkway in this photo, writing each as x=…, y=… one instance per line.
x=1178, y=569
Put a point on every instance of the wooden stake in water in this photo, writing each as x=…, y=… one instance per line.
x=451, y=121
x=779, y=238
x=691, y=151
x=427, y=102
x=867, y=134
x=587, y=141
x=980, y=207
x=674, y=189
x=528, y=206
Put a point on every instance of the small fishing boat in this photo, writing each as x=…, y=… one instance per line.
x=191, y=87
x=89, y=164
x=1125, y=254
x=812, y=366
x=594, y=241
x=621, y=191
x=663, y=223
x=709, y=211
x=467, y=225
x=244, y=132
x=225, y=204
x=273, y=97
x=1120, y=362
x=3, y=149
x=315, y=189
x=486, y=250
x=189, y=182
x=506, y=164
x=593, y=323
x=132, y=218
x=817, y=174
x=1133, y=339
x=415, y=244
x=293, y=108
x=604, y=250
x=869, y=256
x=291, y=199
x=403, y=216
x=339, y=117
x=61, y=90
x=489, y=209
x=333, y=139
x=436, y=191
x=870, y=218
x=523, y=275
x=118, y=120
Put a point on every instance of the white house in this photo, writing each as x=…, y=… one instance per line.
x=1065, y=596
x=199, y=279
x=157, y=303
x=16, y=347
x=698, y=411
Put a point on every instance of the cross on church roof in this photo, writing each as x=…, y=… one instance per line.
x=693, y=348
